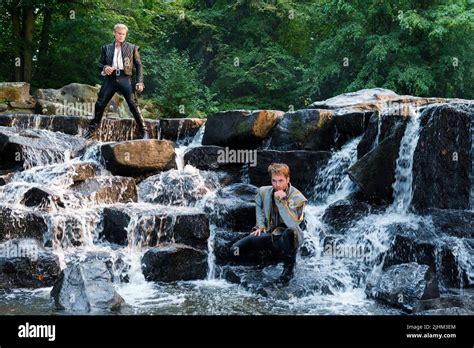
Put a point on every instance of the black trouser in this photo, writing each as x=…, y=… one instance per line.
x=111, y=85
x=286, y=242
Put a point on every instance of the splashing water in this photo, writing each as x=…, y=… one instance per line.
x=332, y=285
x=332, y=182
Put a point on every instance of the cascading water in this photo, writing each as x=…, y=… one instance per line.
x=402, y=187
x=74, y=231
x=341, y=273
x=332, y=182
x=331, y=284
x=472, y=164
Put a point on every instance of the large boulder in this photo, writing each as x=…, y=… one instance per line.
x=16, y=223
x=86, y=287
x=174, y=262
x=24, y=263
x=443, y=158
x=376, y=99
x=452, y=303
x=344, y=213
x=211, y=157
x=185, y=226
x=317, y=130
x=374, y=172
x=76, y=99
x=207, y=158
x=240, y=129
x=431, y=244
x=443, y=147
x=18, y=92
x=403, y=286
x=371, y=97
x=388, y=110
x=305, y=129
x=233, y=207
x=107, y=189
x=41, y=198
x=139, y=156
x=303, y=167
x=307, y=281
x=455, y=223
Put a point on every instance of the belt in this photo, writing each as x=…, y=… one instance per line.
x=119, y=72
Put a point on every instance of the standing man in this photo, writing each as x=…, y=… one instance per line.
x=116, y=64
x=279, y=210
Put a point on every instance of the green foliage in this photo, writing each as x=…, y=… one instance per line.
x=411, y=47
x=210, y=55
x=179, y=91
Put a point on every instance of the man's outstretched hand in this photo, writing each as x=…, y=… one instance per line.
x=257, y=232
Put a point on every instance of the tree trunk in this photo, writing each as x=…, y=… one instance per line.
x=28, y=23
x=18, y=37
x=44, y=43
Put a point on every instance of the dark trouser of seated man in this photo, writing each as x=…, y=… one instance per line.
x=281, y=239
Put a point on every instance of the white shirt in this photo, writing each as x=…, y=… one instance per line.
x=118, y=60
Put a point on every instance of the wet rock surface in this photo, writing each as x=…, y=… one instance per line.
x=172, y=262
x=159, y=215
x=86, y=287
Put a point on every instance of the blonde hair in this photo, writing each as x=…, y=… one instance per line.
x=279, y=168
x=120, y=26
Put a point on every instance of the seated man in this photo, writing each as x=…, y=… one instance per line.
x=279, y=210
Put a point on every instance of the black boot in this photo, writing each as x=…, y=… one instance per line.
x=288, y=271
x=142, y=128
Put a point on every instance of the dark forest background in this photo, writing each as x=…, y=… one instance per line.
x=211, y=55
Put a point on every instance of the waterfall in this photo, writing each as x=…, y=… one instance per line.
x=379, y=129
x=180, y=150
x=402, y=187
x=472, y=164
x=185, y=186
x=331, y=284
x=332, y=182
x=197, y=139
x=180, y=128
